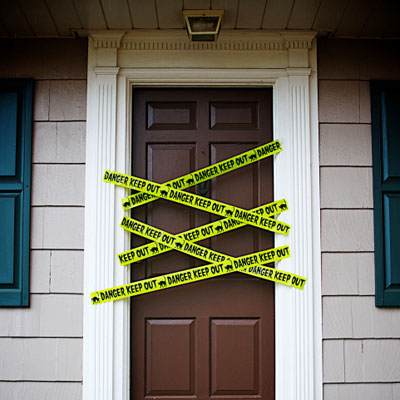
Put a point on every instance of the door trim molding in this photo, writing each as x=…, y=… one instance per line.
x=176, y=39
x=291, y=72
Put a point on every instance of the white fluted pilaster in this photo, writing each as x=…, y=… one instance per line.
x=293, y=179
x=104, y=356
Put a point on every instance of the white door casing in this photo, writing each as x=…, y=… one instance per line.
x=119, y=61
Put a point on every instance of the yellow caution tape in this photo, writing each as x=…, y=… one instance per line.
x=190, y=248
x=210, y=172
x=199, y=202
x=249, y=264
x=197, y=274
x=197, y=234
x=275, y=275
x=173, y=241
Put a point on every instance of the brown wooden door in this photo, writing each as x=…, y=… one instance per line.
x=214, y=338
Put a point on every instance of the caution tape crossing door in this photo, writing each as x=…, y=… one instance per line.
x=234, y=218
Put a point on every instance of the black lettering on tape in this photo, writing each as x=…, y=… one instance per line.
x=204, y=174
x=192, y=275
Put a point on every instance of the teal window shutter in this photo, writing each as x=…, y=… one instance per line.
x=15, y=190
x=385, y=102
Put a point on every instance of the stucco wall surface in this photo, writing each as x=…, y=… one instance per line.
x=41, y=346
x=361, y=343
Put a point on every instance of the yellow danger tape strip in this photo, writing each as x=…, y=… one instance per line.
x=190, y=248
x=204, y=272
x=195, y=201
x=276, y=275
x=173, y=241
x=197, y=234
x=212, y=171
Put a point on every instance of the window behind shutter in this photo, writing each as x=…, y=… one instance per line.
x=15, y=190
x=385, y=99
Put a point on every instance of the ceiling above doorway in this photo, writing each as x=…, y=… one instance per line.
x=69, y=18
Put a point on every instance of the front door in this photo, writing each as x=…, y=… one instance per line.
x=214, y=338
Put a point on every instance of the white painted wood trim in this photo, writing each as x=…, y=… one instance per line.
x=298, y=314
x=177, y=40
x=316, y=229
x=98, y=333
x=293, y=181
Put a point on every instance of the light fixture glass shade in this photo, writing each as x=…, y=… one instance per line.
x=203, y=25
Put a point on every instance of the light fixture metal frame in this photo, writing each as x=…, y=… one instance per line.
x=187, y=14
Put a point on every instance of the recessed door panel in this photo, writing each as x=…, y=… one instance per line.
x=171, y=115
x=234, y=115
x=170, y=357
x=235, y=348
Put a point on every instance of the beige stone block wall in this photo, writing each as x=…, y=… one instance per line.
x=41, y=346
x=361, y=343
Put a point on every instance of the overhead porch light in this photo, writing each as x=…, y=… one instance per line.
x=203, y=25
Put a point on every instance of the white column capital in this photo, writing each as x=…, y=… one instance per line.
x=106, y=71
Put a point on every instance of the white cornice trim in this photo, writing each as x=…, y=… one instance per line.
x=298, y=39
x=176, y=39
x=106, y=39
x=260, y=45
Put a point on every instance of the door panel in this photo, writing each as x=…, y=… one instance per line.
x=164, y=159
x=242, y=375
x=241, y=188
x=233, y=115
x=213, y=338
x=171, y=116
x=170, y=356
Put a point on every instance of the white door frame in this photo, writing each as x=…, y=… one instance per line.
x=285, y=61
